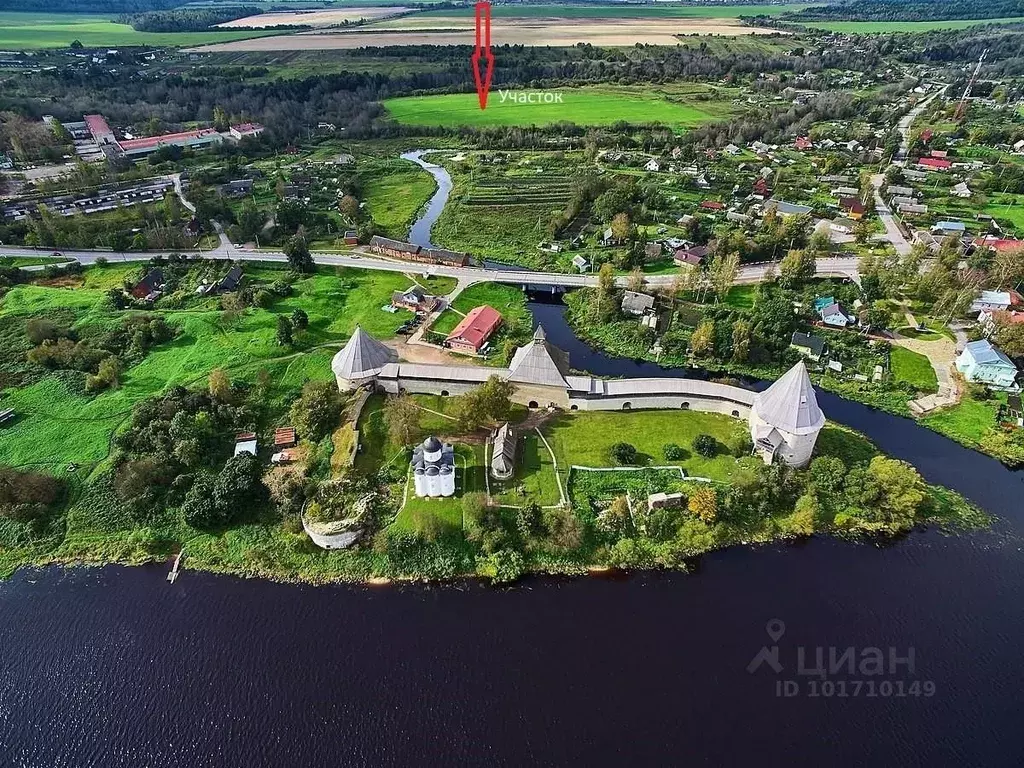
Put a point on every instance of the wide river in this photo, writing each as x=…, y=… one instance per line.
x=112, y=667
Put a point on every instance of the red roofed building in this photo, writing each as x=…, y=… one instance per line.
x=934, y=164
x=926, y=135
x=474, y=329
x=803, y=143
x=99, y=130
x=761, y=188
x=998, y=244
x=940, y=153
x=853, y=206
x=201, y=138
x=242, y=130
x=712, y=205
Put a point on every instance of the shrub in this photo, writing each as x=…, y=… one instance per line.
x=317, y=410
x=705, y=445
x=624, y=453
x=673, y=452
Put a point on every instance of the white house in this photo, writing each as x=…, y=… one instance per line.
x=982, y=363
x=580, y=263
x=652, y=165
x=732, y=149
x=834, y=315
x=949, y=228
x=961, y=190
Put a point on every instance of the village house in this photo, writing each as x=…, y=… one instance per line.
x=245, y=442
x=845, y=192
x=946, y=228
x=733, y=150
x=711, y=205
x=961, y=190
x=473, y=331
x=634, y=303
x=691, y=256
x=808, y=345
x=787, y=209
x=665, y=501
x=893, y=190
x=933, y=164
x=834, y=315
x=912, y=209
x=982, y=363
x=803, y=143
x=350, y=237
x=245, y=130
x=396, y=249
x=652, y=165
x=853, y=207
x=580, y=262
x=415, y=299
x=150, y=286
x=993, y=301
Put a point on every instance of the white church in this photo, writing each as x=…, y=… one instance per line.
x=784, y=419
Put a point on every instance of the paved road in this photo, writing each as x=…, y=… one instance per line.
x=749, y=273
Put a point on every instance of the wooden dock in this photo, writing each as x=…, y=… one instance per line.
x=173, y=575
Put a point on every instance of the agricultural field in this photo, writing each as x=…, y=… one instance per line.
x=28, y=31
x=313, y=18
x=412, y=30
x=904, y=27
x=619, y=11
x=602, y=105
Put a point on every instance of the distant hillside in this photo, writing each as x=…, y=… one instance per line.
x=911, y=10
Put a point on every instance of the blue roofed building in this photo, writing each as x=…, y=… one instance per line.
x=982, y=363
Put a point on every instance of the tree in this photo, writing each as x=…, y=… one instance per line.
x=635, y=281
x=702, y=341
x=238, y=490
x=1009, y=335
x=284, y=331
x=219, y=385
x=722, y=271
x=199, y=508
x=297, y=252
x=741, y=335
x=624, y=453
x=494, y=398
x=349, y=207
x=893, y=493
x=300, y=319
x=862, y=231
x=565, y=529
x=617, y=519
x=621, y=227
x=705, y=445
x=467, y=414
x=805, y=515
x=703, y=503
x=108, y=375
x=827, y=475
x=316, y=412
x=220, y=118
x=402, y=416
x=796, y=268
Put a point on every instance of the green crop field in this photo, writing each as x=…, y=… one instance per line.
x=583, y=106
x=888, y=27
x=622, y=10
x=25, y=31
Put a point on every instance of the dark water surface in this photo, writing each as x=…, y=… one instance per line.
x=113, y=667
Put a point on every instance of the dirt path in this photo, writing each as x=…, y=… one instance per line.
x=942, y=355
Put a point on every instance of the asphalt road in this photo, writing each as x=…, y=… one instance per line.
x=749, y=273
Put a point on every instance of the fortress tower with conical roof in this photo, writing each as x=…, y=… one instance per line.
x=361, y=360
x=785, y=419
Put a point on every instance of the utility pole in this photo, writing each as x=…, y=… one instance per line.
x=961, y=108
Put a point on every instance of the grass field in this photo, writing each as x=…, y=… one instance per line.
x=394, y=197
x=585, y=439
x=914, y=369
x=583, y=106
x=507, y=299
x=26, y=31
x=1007, y=208
x=58, y=424
x=906, y=27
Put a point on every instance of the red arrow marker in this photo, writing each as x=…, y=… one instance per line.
x=483, y=51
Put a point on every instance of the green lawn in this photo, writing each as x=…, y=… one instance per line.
x=741, y=296
x=509, y=300
x=469, y=478
x=1007, y=208
x=967, y=422
x=913, y=368
x=591, y=105
x=534, y=479
x=395, y=196
x=25, y=31
x=889, y=27
x=585, y=438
